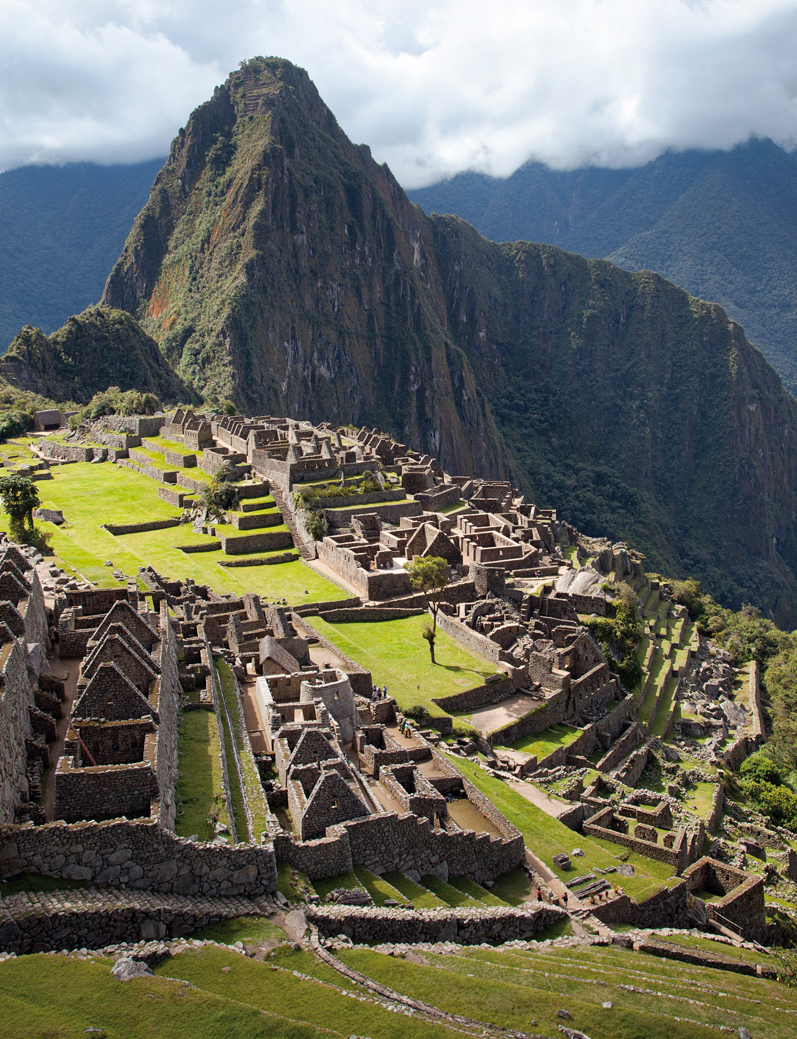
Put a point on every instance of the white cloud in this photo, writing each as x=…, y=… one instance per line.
x=434, y=87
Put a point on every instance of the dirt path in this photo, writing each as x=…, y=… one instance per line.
x=255, y=726
x=488, y=719
x=539, y=798
x=60, y=668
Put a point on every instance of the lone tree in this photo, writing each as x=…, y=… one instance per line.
x=429, y=575
x=20, y=497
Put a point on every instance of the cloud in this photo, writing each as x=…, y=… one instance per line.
x=433, y=87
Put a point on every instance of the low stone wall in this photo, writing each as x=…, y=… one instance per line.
x=137, y=854
x=464, y=926
x=629, y=741
x=480, y=696
x=177, y=498
x=367, y=613
x=283, y=557
x=356, y=501
x=677, y=856
x=140, y=528
x=64, y=452
x=179, y=461
x=469, y=638
x=717, y=807
x=390, y=512
x=667, y=908
x=90, y=920
x=439, y=497
x=239, y=544
x=313, y=608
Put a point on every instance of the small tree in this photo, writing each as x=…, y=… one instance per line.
x=429, y=575
x=20, y=497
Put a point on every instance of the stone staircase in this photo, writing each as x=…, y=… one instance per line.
x=305, y=545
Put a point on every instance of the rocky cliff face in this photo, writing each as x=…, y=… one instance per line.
x=278, y=264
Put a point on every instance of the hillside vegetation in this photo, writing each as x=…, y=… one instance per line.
x=63, y=228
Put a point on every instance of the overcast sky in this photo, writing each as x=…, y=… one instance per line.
x=433, y=87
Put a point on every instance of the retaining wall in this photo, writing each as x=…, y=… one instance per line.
x=463, y=926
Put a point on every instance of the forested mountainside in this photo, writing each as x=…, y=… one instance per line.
x=276, y=263
x=723, y=225
x=62, y=230
x=99, y=348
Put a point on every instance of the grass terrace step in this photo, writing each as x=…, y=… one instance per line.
x=452, y=896
x=666, y=707
x=470, y=887
x=377, y=887
x=326, y=885
x=421, y=897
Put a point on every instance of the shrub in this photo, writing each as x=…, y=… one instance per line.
x=418, y=712
x=762, y=769
x=315, y=524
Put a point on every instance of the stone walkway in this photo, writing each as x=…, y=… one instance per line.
x=539, y=798
x=60, y=668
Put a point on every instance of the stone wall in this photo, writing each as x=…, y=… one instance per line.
x=469, y=638
x=361, y=680
x=140, y=528
x=479, y=696
x=742, y=905
x=668, y=907
x=239, y=544
x=464, y=926
x=92, y=920
x=677, y=856
x=630, y=739
x=368, y=613
x=101, y=791
x=15, y=726
x=137, y=854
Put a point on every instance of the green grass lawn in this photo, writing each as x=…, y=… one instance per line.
x=246, y=929
x=398, y=657
x=525, y=990
x=546, y=837
x=253, y=788
x=547, y=742
x=665, y=708
x=512, y=887
x=199, y=789
x=326, y=885
x=91, y=495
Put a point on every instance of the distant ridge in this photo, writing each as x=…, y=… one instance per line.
x=61, y=229
x=723, y=225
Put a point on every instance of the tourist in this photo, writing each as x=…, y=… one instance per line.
x=384, y=692
x=539, y=895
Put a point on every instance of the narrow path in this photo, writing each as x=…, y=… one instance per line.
x=452, y=1020
x=68, y=669
x=539, y=798
x=332, y=575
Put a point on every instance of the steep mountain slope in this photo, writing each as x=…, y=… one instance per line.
x=62, y=230
x=99, y=348
x=277, y=263
x=721, y=224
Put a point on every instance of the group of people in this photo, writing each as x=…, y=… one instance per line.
x=405, y=728
x=562, y=899
x=379, y=694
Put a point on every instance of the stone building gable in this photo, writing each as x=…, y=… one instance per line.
x=110, y=694
x=124, y=614
x=11, y=554
x=331, y=802
x=11, y=617
x=311, y=747
x=12, y=587
x=137, y=666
